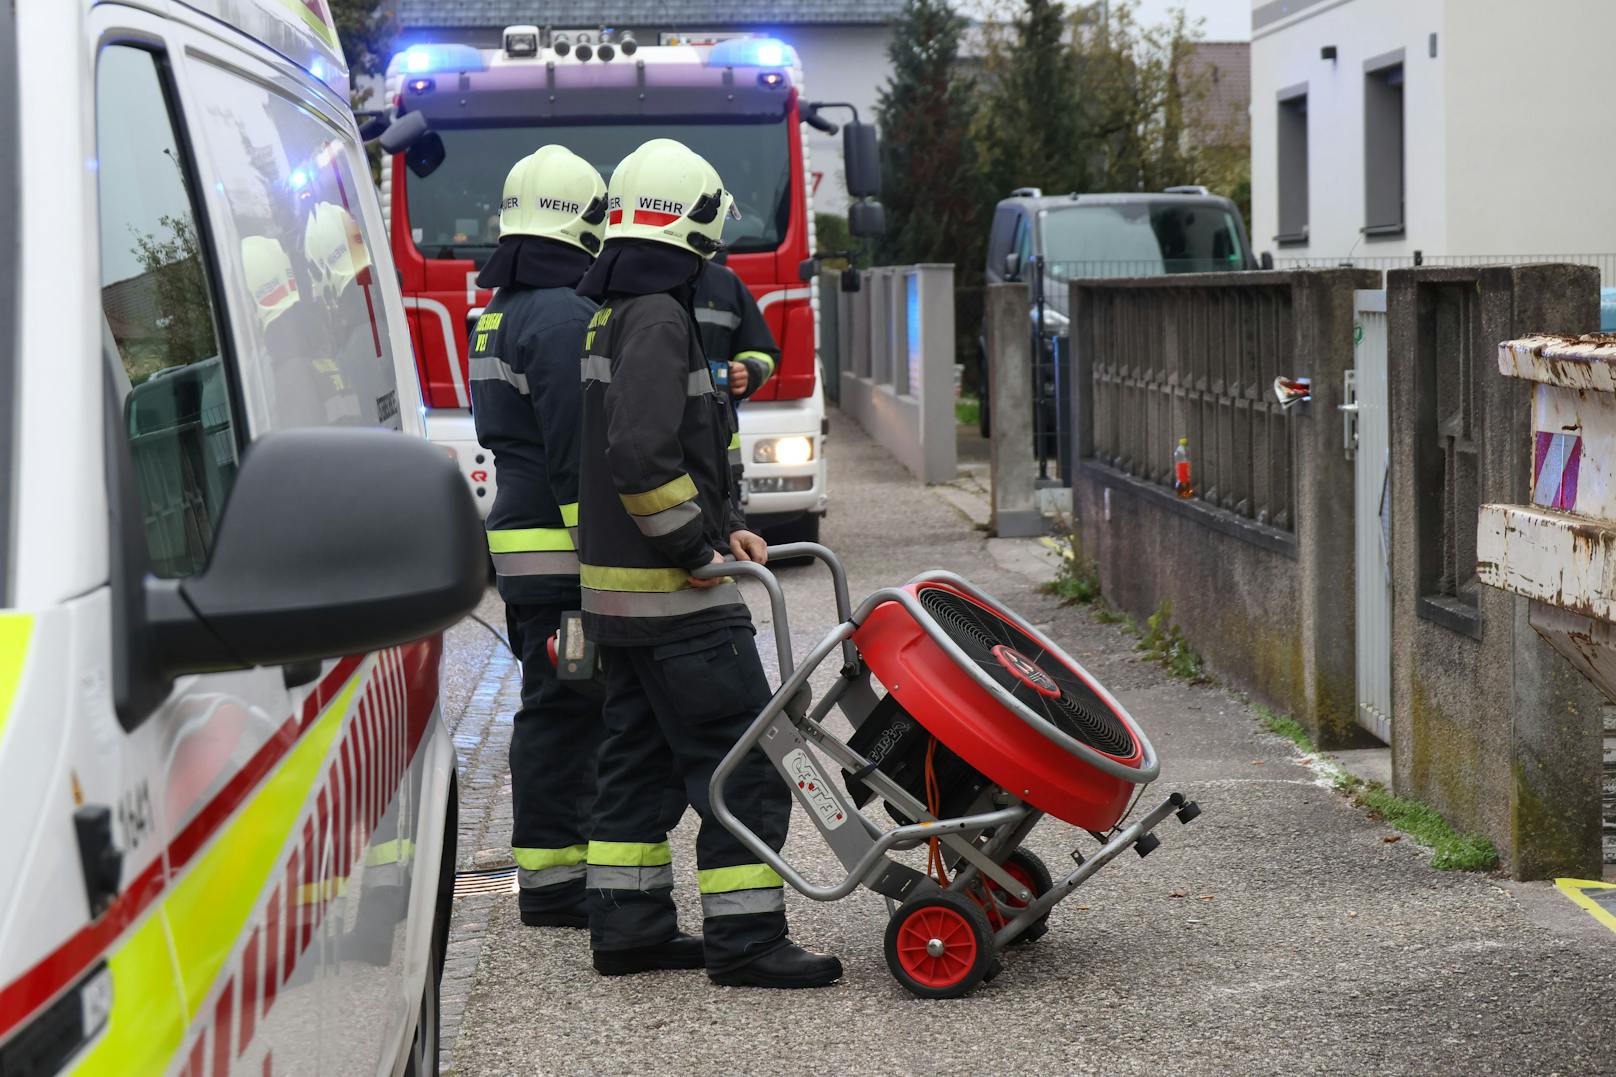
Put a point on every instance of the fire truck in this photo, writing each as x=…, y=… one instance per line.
x=737, y=102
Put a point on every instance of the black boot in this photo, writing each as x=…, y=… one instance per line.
x=538, y=912
x=680, y=952
x=789, y=966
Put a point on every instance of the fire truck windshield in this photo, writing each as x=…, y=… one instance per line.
x=454, y=212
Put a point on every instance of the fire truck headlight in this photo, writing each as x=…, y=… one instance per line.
x=789, y=451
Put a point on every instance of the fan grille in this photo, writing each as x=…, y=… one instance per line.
x=1074, y=708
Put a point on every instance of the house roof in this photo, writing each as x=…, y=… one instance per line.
x=670, y=14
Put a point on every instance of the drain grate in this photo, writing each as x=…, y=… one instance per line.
x=483, y=883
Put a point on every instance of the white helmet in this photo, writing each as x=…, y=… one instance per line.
x=334, y=246
x=666, y=192
x=269, y=277
x=555, y=194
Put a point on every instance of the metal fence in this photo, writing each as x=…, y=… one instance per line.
x=1197, y=363
x=1605, y=263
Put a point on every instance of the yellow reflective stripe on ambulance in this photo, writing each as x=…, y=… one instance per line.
x=396, y=851
x=207, y=911
x=16, y=630
x=665, y=496
x=315, y=22
x=740, y=877
x=630, y=854
x=529, y=540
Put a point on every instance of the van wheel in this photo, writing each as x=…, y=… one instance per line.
x=423, y=1061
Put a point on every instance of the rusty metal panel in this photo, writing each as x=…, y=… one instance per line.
x=1551, y=556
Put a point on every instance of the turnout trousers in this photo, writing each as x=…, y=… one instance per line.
x=555, y=739
x=673, y=711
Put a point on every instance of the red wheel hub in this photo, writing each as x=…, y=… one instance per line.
x=1026, y=671
x=936, y=946
x=1020, y=875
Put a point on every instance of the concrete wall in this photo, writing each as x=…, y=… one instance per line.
x=1491, y=727
x=896, y=349
x=1270, y=608
x=1512, y=87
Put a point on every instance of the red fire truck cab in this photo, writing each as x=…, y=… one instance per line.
x=735, y=102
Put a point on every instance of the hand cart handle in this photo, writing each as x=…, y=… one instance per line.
x=777, y=600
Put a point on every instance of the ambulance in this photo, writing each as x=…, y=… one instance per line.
x=737, y=101
x=227, y=556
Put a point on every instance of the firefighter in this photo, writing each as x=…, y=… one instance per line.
x=525, y=398
x=682, y=671
x=740, y=349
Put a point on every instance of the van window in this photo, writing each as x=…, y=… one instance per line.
x=158, y=315
x=1129, y=239
x=301, y=262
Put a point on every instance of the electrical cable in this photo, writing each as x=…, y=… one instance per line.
x=496, y=633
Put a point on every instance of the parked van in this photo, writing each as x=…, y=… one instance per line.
x=1181, y=230
x=227, y=553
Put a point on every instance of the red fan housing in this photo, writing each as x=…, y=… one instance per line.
x=972, y=723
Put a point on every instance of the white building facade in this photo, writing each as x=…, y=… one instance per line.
x=1459, y=129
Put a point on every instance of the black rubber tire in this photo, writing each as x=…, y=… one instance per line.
x=983, y=962
x=1041, y=880
x=423, y=1056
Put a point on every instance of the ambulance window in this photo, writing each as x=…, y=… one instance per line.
x=158, y=315
x=317, y=351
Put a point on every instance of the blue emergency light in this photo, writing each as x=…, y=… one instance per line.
x=419, y=59
x=751, y=52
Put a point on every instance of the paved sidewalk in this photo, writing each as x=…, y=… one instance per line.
x=1280, y=933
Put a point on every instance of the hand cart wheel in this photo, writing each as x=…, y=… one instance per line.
x=1026, y=868
x=940, y=945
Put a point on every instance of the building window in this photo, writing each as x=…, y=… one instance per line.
x=1383, y=145
x=1452, y=349
x=1292, y=137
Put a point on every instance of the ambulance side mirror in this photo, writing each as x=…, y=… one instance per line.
x=386, y=548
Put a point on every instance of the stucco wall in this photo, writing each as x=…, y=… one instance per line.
x=1490, y=726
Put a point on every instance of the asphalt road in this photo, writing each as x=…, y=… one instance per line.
x=1280, y=933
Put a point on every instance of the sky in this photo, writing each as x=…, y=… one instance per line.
x=1224, y=20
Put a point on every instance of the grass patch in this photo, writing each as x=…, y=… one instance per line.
x=1287, y=727
x=1450, y=850
x=1077, y=580
x=1163, y=642
x=968, y=411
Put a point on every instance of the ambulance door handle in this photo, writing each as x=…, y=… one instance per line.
x=297, y=674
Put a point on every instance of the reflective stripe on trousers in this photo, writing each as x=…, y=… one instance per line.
x=547, y=867
x=741, y=890
x=629, y=865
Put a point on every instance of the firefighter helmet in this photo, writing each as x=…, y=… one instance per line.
x=666, y=192
x=555, y=194
x=334, y=247
x=269, y=277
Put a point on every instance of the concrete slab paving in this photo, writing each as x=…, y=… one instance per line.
x=1285, y=931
